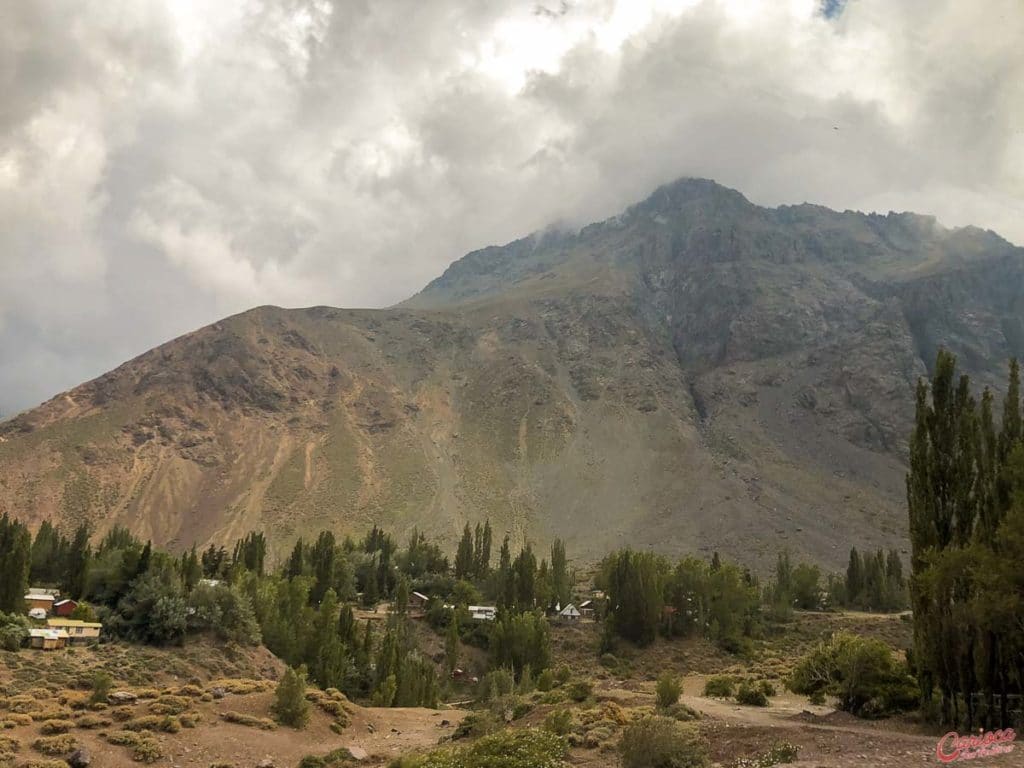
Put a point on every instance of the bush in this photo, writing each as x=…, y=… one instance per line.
x=659, y=742
x=527, y=747
x=767, y=688
x=559, y=721
x=751, y=696
x=290, y=706
x=782, y=752
x=56, y=746
x=719, y=687
x=476, y=724
x=861, y=672
x=240, y=718
x=13, y=631
x=562, y=675
x=545, y=681
x=102, y=682
x=579, y=690
x=56, y=726
x=668, y=690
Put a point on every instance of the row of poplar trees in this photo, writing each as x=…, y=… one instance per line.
x=965, y=495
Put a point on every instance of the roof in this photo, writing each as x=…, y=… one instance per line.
x=586, y=603
x=569, y=610
x=49, y=634
x=39, y=596
x=482, y=608
x=420, y=595
x=73, y=623
x=65, y=601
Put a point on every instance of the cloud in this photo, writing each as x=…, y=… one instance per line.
x=163, y=164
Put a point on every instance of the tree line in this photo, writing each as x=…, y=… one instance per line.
x=965, y=499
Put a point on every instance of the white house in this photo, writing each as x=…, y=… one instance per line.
x=482, y=612
x=569, y=613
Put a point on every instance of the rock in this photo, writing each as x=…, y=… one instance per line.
x=123, y=697
x=444, y=724
x=265, y=763
x=357, y=753
x=218, y=693
x=80, y=758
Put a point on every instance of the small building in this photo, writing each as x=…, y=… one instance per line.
x=47, y=639
x=44, y=591
x=587, y=609
x=33, y=601
x=418, y=601
x=482, y=612
x=569, y=613
x=39, y=614
x=64, y=607
x=79, y=632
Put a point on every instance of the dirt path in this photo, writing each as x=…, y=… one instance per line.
x=826, y=738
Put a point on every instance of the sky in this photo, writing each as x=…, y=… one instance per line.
x=166, y=163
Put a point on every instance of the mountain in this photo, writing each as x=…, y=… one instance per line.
x=697, y=373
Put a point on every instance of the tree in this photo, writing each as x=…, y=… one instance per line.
x=290, y=706
x=861, y=672
x=102, y=682
x=77, y=563
x=635, y=599
x=560, y=573
x=15, y=564
x=464, y=563
x=322, y=558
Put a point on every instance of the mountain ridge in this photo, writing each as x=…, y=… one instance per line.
x=696, y=373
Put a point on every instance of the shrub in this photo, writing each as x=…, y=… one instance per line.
x=767, y=688
x=56, y=745
x=89, y=721
x=290, y=706
x=545, y=681
x=562, y=674
x=102, y=682
x=56, y=726
x=240, y=718
x=559, y=721
x=660, y=742
x=579, y=690
x=751, y=696
x=861, y=672
x=668, y=690
x=782, y=752
x=682, y=712
x=476, y=724
x=528, y=747
x=719, y=687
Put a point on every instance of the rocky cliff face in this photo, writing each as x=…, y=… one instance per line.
x=697, y=373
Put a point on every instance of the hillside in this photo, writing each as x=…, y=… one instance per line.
x=697, y=373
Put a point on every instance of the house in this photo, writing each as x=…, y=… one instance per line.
x=43, y=601
x=418, y=601
x=79, y=632
x=482, y=612
x=587, y=609
x=44, y=591
x=47, y=639
x=64, y=607
x=569, y=613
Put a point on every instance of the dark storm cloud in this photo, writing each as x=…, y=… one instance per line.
x=162, y=164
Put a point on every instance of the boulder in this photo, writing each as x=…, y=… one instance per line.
x=80, y=758
x=357, y=753
x=123, y=697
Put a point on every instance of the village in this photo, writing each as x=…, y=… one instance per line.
x=62, y=622
x=57, y=625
